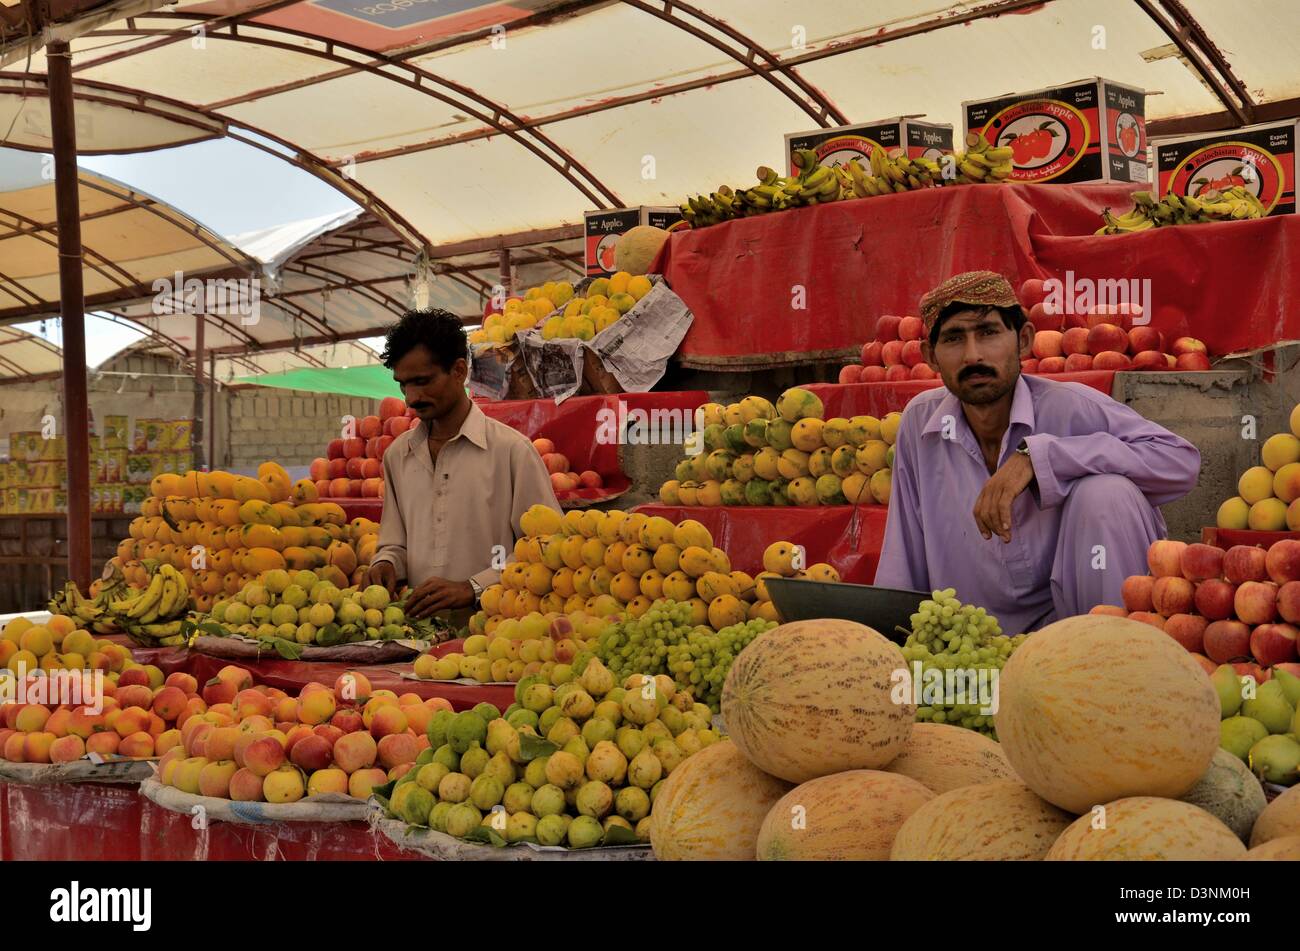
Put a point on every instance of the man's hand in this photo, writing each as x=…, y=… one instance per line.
x=438, y=594
x=993, y=507
x=383, y=572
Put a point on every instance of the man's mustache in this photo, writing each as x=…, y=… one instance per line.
x=971, y=371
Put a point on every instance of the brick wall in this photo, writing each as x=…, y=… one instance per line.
x=291, y=427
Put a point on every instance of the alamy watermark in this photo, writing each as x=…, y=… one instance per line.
x=957, y=686
x=1083, y=295
x=655, y=427
x=236, y=297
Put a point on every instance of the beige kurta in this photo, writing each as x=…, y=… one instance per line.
x=458, y=519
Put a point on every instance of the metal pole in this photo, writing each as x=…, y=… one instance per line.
x=503, y=259
x=212, y=410
x=200, y=321
x=76, y=422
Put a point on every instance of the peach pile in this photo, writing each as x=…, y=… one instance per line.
x=141, y=717
x=58, y=645
x=262, y=745
x=563, y=479
x=1103, y=337
x=353, y=466
x=1239, y=606
x=1268, y=495
x=894, y=354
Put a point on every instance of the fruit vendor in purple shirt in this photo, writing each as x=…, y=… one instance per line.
x=1033, y=498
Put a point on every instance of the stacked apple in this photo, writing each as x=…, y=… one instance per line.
x=894, y=354
x=353, y=466
x=1237, y=607
x=139, y=716
x=258, y=744
x=563, y=479
x=1103, y=337
x=1268, y=495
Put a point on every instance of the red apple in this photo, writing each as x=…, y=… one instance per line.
x=1165, y=558
x=319, y=469
x=1148, y=617
x=1200, y=562
x=391, y=407
x=1032, y=292
x=1255, y=602
x=1207, y=665
x=1075, y=319
x=871, y=354
x=1192, y=361
x=1172, y=595
x=1110, y=360
x=897, y=372
x=1288, y=602
x=1282, y=561
x=335, y=449
x=398, y=425
x=372, y=488
x=1136, y=592
x=323, y=487
x=356, y=488
x=872, y=374
x=1111, y=610
x=922, y=371
x=1029, y=366
x=563, y=482
x=1248, y=669
x=1226, y=641
x=910, y=328
x=1150, y=360
x=555, y=462
x=1188, y=630
x=911, y=354
x=887, y=328
x=892, y=353
x=355, y=466
x=850, y=373
x=1074, y=340
x=1047, y=343
x=1051, y=365
x=381, y=446
x=339, y=488
x=1145, y=338
x=1214, y=598
x=1273, y=644
x=352, y=448
x=337, y=468
x=1105, y=337
x=1077, y=363
x=1042, y=319
x=590, y=479
x=368, y=427
x=1245, y=563
x=371, y=469
x=543, y=446
x=1186, y=345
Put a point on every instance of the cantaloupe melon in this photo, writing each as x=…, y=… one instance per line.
x=1144, y=828
x=1230, y=792
x=996, y=821
x=637, y=249
x=1285, y=849
x=711, y=807
x=1097, y=708
x=814, y=697
x=1281, y=817
x=847, y=816
x=943, y=757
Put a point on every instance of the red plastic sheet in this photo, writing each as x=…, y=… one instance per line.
x=848, y=537
x=857, y=260
x=878, y=399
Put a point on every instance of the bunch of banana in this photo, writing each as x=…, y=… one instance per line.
x=980, y=164
x=71, y=603
x=1231, y=204
x=814, y=185
x=155, y=615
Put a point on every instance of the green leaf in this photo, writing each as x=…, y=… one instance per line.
x=617, y=835
x=486, y=835
x=531, y=747
x=211, y=627
x=289, y=650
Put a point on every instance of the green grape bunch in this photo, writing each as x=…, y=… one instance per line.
x=959, y=641
x=663, y=641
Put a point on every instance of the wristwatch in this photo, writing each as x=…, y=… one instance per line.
x=1023, y=448
x=477, y=589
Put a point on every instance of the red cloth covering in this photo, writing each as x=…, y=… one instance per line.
x=92, y=822
x=860, y=259
x=847, y=537
x=878, y=399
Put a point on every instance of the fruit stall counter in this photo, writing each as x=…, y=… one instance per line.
x=847, y=537
x=878, y=399
x=861, y=258
x=34, y=825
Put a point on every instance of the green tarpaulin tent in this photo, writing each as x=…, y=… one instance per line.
x=374, y=382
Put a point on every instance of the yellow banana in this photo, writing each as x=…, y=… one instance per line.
x=976, y=143
x=150, y=597
x=1002, y=153
x=971, y=170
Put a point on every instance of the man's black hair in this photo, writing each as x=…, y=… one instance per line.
x=441, y=332
x=1013, y=317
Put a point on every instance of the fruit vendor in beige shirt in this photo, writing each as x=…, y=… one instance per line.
x=456, y=484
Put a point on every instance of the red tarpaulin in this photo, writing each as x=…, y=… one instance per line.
x=854, y=261
x=847, y=537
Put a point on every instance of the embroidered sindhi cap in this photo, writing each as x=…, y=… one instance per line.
x=976, y=288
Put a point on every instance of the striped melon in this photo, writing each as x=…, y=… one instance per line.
x=1285, y=849
x=814, y=697
x=846, y=816
x=712, y=805
x=1281, y=817
x=1230, y=791
x=943, y=757
x=996, y=821
x=1097, y=708
x=1144, y=828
